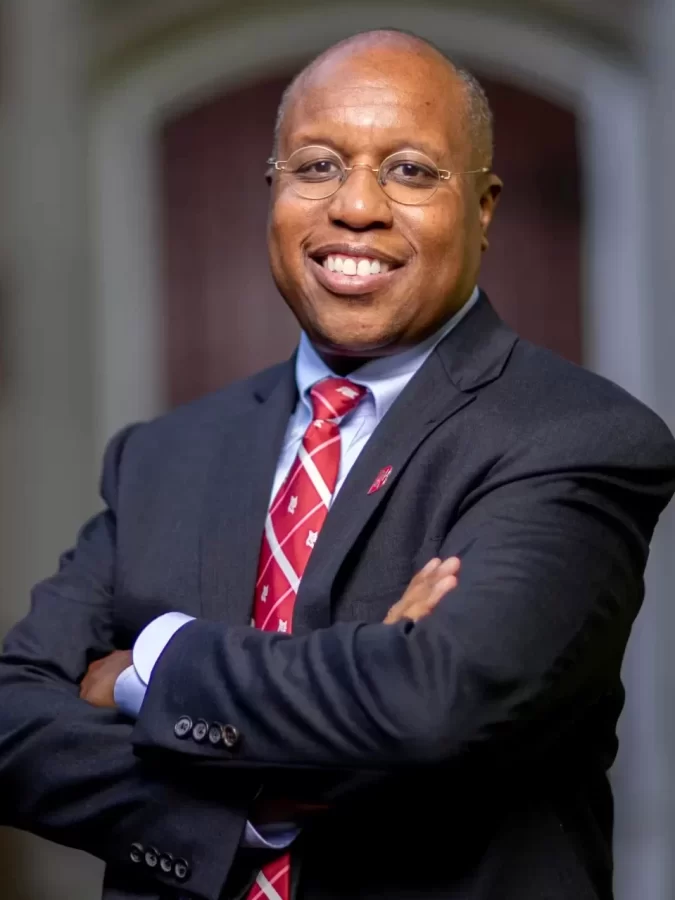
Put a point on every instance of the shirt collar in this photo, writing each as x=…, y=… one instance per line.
x=384, y=377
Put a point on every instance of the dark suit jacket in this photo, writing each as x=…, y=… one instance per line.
x=465, y=756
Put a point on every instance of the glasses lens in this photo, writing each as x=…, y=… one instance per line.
x=314, y=172
x=409, y=178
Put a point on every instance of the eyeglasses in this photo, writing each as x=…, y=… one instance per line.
x=408, y=177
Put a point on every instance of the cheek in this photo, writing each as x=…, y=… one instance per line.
x=439, y=233
x=289, y=224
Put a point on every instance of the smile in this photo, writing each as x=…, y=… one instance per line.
x=355, y=265
x=352, y=273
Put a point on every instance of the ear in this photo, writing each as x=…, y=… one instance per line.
x=491, y=188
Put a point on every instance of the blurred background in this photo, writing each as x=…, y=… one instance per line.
x=134, y=276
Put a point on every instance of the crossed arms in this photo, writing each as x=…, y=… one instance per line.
x=531, y=638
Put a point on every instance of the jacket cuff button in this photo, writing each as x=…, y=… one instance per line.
x=181, y=870
x=166, y=863
x=200, y=731
x=183, y=727
x=136, y=853
x=231, y=736
x=216, y=734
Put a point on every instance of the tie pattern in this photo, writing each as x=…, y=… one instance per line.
x=292, y=527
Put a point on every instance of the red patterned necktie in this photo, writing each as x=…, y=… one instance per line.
x=292, y=527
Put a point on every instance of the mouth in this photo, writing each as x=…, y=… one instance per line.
x=353, y=269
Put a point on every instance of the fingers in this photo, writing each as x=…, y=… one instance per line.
x=430, y=567
x=449, y=566
x=425, y=590
x=437, y=568
x=422, y=607
x=441, y=588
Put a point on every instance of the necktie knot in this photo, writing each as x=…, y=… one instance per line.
x=333, y=398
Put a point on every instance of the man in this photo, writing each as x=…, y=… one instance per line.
x=459, y=748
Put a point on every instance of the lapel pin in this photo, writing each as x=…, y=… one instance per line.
x=381, y=479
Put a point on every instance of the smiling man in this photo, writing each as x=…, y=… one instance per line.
x=261, y=672
x=382, y=204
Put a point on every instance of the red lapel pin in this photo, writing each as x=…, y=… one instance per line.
x=381, y=479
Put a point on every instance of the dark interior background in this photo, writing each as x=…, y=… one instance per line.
x=224, y=317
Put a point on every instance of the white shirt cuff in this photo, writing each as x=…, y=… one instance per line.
x=153, y=639
x=275, y=836
x=132, y=683
x=129, y=692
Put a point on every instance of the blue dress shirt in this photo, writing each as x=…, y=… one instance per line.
x=384, y=378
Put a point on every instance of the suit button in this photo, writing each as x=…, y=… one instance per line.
x=181, y=870
x=166, y=863
x=182, y=727
x=230, y=735
x=200, y=730
x=136, y=853
x=216, y=734
x=151, y=857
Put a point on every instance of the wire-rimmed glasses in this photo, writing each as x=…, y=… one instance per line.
x=408, y=177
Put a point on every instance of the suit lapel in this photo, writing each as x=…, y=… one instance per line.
x=247, y=449
x=471, y=356
x=238, y=492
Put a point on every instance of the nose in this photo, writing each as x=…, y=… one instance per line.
x=360, y=203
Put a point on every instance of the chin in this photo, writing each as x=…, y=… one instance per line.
x=344, y=342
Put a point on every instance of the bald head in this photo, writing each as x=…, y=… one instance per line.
x=423, y=61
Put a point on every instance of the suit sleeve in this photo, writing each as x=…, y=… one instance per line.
x=553, y=552
x=67, y=770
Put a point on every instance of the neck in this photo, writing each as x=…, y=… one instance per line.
x=343, y=365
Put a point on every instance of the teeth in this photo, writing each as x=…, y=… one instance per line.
x=349, y=265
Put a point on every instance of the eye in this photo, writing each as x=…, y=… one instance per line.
x=317, y=170
x=411, y=173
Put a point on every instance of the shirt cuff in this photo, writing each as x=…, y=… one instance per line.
x=129, y=692
x=152, y=641
x=276, y=836
x=132, y=683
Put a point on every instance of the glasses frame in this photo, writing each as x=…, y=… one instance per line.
x=279, y=165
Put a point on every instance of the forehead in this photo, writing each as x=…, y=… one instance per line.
x=378, y=101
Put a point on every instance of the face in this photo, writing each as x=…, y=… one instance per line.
x=367, y=106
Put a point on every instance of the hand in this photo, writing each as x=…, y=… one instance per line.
x=98, y=685
x=425, y=590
